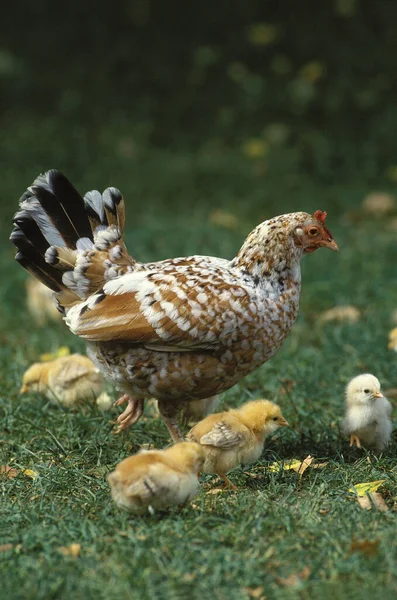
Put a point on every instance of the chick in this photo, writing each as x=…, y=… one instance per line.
x=67, y=380
x=237, y=436
x=367, y=419
x=157, y=478
x=40, y=302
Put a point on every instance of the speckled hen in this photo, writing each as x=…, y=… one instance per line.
x=179, y=329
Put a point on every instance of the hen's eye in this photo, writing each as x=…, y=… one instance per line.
x=366, y=391
x=275, y=418
x=313, y=231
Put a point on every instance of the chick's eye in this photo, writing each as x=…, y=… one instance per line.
x=313, y=231
x=366, y=391
x=275, y=418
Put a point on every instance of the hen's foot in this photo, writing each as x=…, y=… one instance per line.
x=132, y=413
x=172, y=424
x=355, y=440
x=228, y=484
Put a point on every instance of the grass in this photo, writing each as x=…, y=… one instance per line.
x=228, y=545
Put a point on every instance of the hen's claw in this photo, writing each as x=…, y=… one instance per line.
x=228, y=484
x=131, y=414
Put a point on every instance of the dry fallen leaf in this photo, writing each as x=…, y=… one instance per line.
x=224, y=219
x=59, y=353
x=287, y=386
x=342, y=314
x=361, y=489
x=365, y=547
x=295, y=578
x=373, y=499
x=6, y=547
x=254, y=592
x=73, y=550
x=8, y=471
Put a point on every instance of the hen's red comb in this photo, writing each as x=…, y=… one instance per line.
x=320, y=215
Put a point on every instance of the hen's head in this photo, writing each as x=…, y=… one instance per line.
x=313, y=234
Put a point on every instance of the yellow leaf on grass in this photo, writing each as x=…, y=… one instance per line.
x=73, y=550
x=361, y=489
x=59, y=353
x=372, y=500
x=296, y=464
x=30, y=473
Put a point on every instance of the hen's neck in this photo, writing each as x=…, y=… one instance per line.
x=269, y=258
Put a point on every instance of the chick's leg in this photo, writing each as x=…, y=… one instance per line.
x=132, y=413
x=169, y=416
x=355, y=440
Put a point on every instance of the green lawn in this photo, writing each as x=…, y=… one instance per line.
x=226, y=545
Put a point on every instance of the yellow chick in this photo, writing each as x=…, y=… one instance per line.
x=40, y=302
x=237, y=436
x=367, y=418
x=157, y=478
x=67, y=380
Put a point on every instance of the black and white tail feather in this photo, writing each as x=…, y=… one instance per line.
x=71, y=244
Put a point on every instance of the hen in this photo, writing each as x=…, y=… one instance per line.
x=177, y=330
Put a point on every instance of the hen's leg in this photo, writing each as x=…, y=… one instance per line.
x=169, y=416
x=355, y=440
x=132, y=413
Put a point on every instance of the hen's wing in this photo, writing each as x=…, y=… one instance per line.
x=179, y=307
x=226, y=435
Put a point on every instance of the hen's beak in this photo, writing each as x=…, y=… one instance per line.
x=378, y=395
x=23, y=389
x=284, y=422
x=331, y=244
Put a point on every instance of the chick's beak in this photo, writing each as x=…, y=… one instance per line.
x=23, y=389
x=284, y=422
x=378, y=395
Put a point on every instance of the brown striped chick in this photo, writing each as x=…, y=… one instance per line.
x=157, y=479
x=367, y=419
x=67, y=380
x=40, y=302
x=237, y=436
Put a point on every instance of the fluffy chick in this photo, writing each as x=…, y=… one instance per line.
x=367, y=418
x=40, y=302
x=67, y=380
x=237, y=436
x=157, y=478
